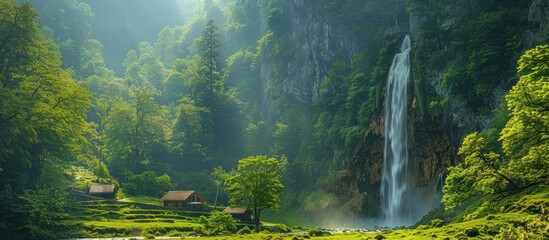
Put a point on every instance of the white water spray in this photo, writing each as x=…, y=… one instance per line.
x=395, y=194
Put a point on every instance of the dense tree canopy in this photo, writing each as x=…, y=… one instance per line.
x=42, y=121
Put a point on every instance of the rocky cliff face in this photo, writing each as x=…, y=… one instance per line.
x=315, y=42
x=430, y=152
x=538, y=29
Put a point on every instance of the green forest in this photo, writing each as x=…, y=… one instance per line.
x=272, y=119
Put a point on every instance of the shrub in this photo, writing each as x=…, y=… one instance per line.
x=279, y=228
x=148, y=236
x=315, y=232
x=491, y=229
x=422, y=227
x=472, y=232
x=174, y=233
x=199, y=230
x=436, y=223
x=244, y=230
x=379, y=237
x=218, y=222
x=461, y=236
x=510, y=232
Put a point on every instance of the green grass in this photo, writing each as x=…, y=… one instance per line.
x=123, y=223
x=287, y=217
x=142, y=199
x=103, y=219
x=526, y=214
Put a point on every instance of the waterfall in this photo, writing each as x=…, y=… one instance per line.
x=396, y=200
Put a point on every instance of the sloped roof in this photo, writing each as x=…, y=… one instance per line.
x=102, y=188
x=235, y=210
x=181, y=196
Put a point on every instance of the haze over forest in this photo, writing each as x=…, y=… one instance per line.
x=411, y=118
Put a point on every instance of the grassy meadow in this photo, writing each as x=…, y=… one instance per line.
x=523, y=216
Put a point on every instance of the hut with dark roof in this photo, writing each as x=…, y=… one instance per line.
x=107, y=191
x=240, y=214
x=183, y=199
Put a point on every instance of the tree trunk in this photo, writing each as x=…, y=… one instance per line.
x=216, y=194
x=256, y=219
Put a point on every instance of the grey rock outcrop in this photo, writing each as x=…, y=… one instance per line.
x=315, y=41
x=538, y=19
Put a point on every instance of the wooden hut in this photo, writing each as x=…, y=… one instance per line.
x=107, y=191
x=240, y=214
x=183, y=199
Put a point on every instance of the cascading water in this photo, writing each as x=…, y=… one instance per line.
x=395, y=203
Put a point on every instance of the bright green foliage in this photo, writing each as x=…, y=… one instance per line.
x=525, y=138
x=218, y=223
x=256, y=184
x=525, y=162
x=42, y=112
x=135, y=133
x=478, y=175
x=528, y=104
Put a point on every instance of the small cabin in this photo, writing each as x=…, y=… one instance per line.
x=103, y=191
x=183, y=199
x=240, y=214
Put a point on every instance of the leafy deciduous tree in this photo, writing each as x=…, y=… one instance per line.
x=256, y=183
x=42, y=119
x=524, y=162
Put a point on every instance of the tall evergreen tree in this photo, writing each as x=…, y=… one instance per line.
x=208, y=45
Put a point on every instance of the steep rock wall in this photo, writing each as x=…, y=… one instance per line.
x=430, y=152
x=538, y=29
x=316, y=40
